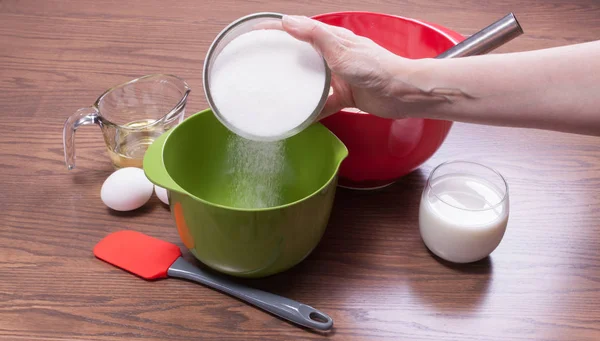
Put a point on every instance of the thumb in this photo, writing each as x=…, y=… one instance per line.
x=312, y=32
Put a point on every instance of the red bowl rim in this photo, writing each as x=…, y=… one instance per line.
x=421, y=22
x=416, y=21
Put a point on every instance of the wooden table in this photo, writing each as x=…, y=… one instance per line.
x=371, y=272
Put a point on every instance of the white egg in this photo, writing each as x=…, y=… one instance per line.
x=161, y=193
x=126, y=189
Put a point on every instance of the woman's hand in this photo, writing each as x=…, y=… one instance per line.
x=553, y=89
x=364, y=75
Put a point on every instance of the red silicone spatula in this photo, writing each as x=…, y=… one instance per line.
x=152, y=258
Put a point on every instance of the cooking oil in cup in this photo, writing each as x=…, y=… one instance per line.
x=131, y=142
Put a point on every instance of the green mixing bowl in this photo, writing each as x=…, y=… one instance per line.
x=194, y=163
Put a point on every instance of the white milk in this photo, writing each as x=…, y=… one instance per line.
x=459, y=219
x=266, y=83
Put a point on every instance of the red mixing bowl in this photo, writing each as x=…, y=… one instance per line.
x=383, y=150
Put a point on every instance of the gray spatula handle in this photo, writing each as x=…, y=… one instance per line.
x=290, y=310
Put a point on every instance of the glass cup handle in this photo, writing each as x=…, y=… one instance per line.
x=83, y=116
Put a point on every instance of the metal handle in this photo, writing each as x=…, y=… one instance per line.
x=486, y=40
x=290, y=310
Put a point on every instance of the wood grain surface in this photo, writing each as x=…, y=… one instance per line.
x=371, y=271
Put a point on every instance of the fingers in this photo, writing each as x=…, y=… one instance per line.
x=341, y=32
x=326, y=39
x=269, y=24
x=307, y=30
x=277, y=24
x=331, y=106
x=340, y=97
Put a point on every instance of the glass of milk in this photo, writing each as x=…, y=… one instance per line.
x=464, y=211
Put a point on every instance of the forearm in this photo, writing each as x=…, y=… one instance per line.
x=555, y=89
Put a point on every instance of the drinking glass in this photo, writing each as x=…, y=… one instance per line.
x=464, y=211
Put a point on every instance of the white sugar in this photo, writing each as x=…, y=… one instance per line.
x=256, y=170
x=266, y=83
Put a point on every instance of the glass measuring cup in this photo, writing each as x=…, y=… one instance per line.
x=131, y=116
